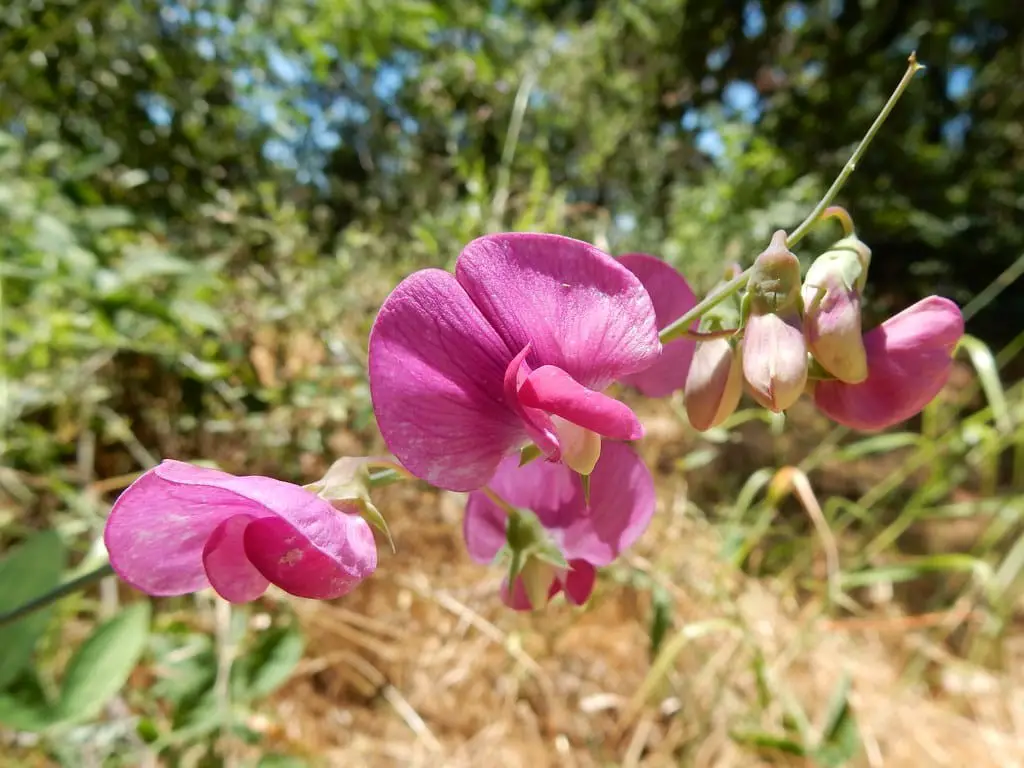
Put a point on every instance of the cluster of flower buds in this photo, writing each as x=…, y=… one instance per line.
x=493, y=381
x=790, y=337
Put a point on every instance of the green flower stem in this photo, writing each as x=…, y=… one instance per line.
x=55, y=594
x=679, y=328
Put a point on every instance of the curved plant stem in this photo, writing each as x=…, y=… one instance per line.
x=55, y=594
x=842, y=216
x=507, y=508
x=679, y=327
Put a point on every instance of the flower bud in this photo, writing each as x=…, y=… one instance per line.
x=774, y=349
x=774, y=360
x=714, y=384
x=909, y=358
x=774, y=284
x=832, y=305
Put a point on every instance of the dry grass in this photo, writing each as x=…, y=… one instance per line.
x=423, y=666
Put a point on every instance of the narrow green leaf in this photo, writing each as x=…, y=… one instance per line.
x=762, y=740
x=840, y=740
x=101, y=666
x=914, y=568
x=988, y=374
x=31, y=570
x=270, y=663
x=837, y=708
x=661, y=618
x=878, y=444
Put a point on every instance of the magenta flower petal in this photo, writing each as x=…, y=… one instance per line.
x=621, y=506
x=170, y=529
x=227, y=567
x=672, y=298
x=581, y=310
x=516, y=597
x=297, y=566
x=552, y=390
x=437, y=371
x=909, y=360
x=579, y=581
x=538, y=424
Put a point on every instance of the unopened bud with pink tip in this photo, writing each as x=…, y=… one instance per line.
x=774, y=349
x=714, y=383
x=832, y=309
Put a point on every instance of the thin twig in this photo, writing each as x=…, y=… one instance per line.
x=55, y=594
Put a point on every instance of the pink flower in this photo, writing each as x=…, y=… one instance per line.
x=180, y=528
x=909, y=358
x=672, y=298
x=621, y=507
x=515, y=346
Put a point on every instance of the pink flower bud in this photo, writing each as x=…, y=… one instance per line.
x=714, y=384
x=774, y=349
x=832, y=305
x=774, y=360
x=909, y=358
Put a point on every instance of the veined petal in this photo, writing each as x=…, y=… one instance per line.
x=622, y=504
x=158, y=527
x=582, y=311
x=437, y=371
x=672, y=297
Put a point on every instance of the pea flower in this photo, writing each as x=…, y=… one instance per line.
x=672, y=297
x=180, y=528
x=588, y=536
x=774, y=349
x=909, y=358
x=515, y=347
x=831, y=294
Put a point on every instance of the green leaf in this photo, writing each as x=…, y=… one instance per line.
x=31, y=570
x=24, y=707
x=988, y=374
x=837, y=707
x=914, y=568
x=879, y=444
x=840, y=739
x=270, y=663
x=101, y=666
x=770, y=741
x=661, y=618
